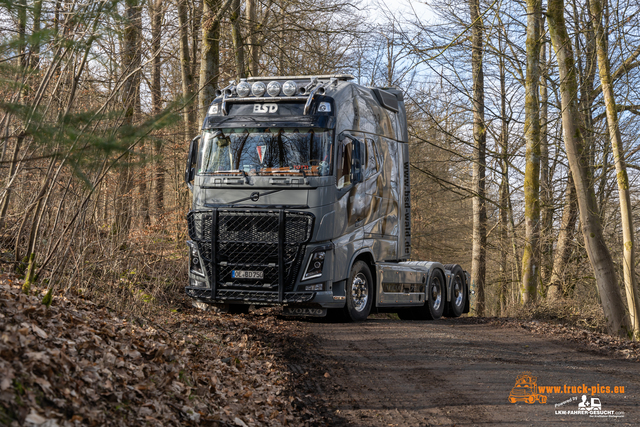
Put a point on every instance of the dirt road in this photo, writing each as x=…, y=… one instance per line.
x=386, y=372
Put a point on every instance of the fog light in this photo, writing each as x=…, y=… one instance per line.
x=258, y=89
x=314, y=268
x=289, y=88
x=243, y=89
x=317, y=287
x=273, y=89
x=195, y=283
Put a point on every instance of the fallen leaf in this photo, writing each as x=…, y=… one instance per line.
x=39, y=332
x=239, y=422
x=35, y=418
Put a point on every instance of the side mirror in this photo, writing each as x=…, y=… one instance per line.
x=190, y=171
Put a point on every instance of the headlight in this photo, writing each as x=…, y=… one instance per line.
x=289, y=88
x=258, y=89
x=194, y=260
x=273, y=89
x=243, y=89
x=214, y=109
x=314, y=268
x=324, y=107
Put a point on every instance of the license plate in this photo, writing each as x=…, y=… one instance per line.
x=304, y=311
x=244, y=274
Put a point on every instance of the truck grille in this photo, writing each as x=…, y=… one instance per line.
x=249, y=240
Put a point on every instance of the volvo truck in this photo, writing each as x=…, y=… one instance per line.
x=301, y=198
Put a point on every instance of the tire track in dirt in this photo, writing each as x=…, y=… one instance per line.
x=385, y=372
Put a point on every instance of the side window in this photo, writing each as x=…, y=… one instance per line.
x=344, y=165
x=372, y=159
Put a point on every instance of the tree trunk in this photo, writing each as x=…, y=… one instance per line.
x=565, y=236
x=624, y=197
x=478, y=254
x=504, y=185
x=238, y=43
x=282, y=42
x=601, y=261
x=188, y=113
x=546, y=192
x=254, y=51
x=212, y=12
x=131, y=100
x=35, y=53
x=156, y=100
x=209, y=57
x=531, y=250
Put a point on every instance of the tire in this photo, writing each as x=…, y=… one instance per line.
x=359, y=292
x=542, y=398
x=436, y=297
x=459, y=294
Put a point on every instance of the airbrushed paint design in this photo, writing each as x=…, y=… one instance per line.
x=374, y=204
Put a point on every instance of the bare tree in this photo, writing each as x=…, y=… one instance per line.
x=531, y=253
x=599, y=255
x=621, y=168
x=478, y=263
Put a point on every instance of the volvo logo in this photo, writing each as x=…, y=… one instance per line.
x=254, y=196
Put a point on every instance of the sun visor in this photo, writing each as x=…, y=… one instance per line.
x=386, y=99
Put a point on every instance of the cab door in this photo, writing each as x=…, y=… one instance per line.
x=352, y=195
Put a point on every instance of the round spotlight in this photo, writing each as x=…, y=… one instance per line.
x=273, y=89
x=258, y=89
x=289, y=88
x=243, y=89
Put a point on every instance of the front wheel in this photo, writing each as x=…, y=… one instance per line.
x=359, y=292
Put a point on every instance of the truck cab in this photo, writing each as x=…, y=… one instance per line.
x=301, y=198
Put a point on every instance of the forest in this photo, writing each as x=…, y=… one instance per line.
x=523, y=121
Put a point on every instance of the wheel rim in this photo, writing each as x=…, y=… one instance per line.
x=359, y=292
x=458, y=292
x=436, y=293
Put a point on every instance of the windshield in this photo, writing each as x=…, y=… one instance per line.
x=270, y=151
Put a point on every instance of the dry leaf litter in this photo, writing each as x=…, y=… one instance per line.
x=77, y=363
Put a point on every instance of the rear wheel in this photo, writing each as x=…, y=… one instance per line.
x=359, y=292
x=459, y=294
x=434, y=306
x=435, y=301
